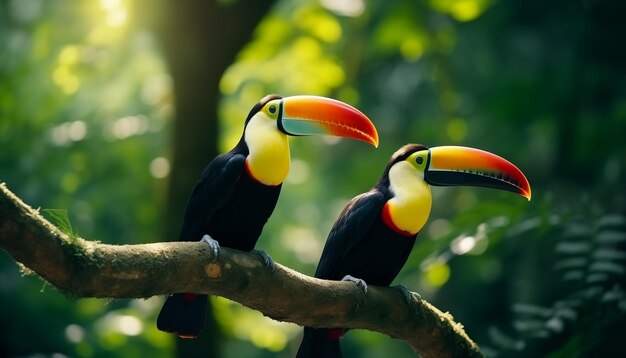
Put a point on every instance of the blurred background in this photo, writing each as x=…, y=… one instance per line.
x=109, y=109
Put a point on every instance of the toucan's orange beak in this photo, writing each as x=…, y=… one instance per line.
x=452, y=165
x=308, y=115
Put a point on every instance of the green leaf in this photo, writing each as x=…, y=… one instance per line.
x=59, y=218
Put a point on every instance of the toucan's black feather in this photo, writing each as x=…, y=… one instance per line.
x=317, y=343
x=180, y=314
x=212, y=192
x=360, y=244
x=349, y=229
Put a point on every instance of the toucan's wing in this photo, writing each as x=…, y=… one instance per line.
x=353, y=222
x=212, y=191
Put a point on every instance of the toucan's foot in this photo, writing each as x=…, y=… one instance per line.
x=267, y=260
x=360, y=283
x=215, y=246
x=408, y=295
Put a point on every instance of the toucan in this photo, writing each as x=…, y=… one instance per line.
x=237, y=192
x=375, y=233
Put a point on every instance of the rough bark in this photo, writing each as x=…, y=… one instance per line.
x=93, y=269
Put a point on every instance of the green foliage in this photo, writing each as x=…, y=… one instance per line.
x=582, y=317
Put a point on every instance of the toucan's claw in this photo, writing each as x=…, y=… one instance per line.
x=215, y=246
x=267, y=259
x=408, y=295
x=360, y=283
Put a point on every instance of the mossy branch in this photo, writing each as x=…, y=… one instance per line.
x=92, y=269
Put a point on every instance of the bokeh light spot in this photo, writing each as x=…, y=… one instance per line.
x=117, y=17
x=129, y=325
x=65, y=79
x=326, y=28
x=160, y=167
x=465, y=10
x=109, y=5
x=412, y=48
x=77, y=130
x=306, y=48
x=463, y=244
x=461, y=10
x=116, y=13
x=437, y=273
x=352, y=8
x=74, y=333
x=124, y=324
x=128, y=126
x=69, y=55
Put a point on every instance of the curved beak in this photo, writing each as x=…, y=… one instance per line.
x=452, y=165
x=309, y=115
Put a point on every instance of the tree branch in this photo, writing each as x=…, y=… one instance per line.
x=92, y=269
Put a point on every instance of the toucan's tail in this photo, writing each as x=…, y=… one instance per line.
x=318, y=343
x=183, y=314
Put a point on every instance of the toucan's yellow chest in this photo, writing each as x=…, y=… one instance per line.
x=410, y=206
x=268, y=160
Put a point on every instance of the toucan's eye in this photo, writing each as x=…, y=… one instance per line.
x=272, y=109
x=419, y=160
